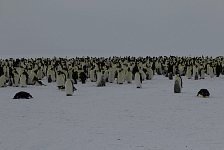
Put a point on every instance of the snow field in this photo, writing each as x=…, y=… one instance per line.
x=115, y=117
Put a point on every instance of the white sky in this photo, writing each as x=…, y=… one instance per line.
x=112, y=27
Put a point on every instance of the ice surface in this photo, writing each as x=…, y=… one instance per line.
x=115, y=117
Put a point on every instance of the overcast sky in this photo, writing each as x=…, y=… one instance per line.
x=110, y=27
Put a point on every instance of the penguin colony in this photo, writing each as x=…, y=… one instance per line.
x=68, y=71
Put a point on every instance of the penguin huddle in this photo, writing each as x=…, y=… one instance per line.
x=102, y=71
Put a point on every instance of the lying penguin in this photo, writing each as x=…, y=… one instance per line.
x=22, y=95
x=204, y=93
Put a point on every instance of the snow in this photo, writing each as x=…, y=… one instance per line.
x=115, y=117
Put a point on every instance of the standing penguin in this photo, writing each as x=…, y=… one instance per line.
x=120, y=77
x=177, y=84
x=150, y=73
x=51, y=74
x=83, y=77
x=49, y=79
x=23, y=79
x=188, y=73
x=75, y=76
x=2, y=81
x=202, y=73
x=218, y=69
x=32, y=75
x=92, y=75
x=69, y=87
x=142, y=73
x=134, y=70
x=195, y=72
x=15, y=78
x=10, y=78
x=39, y=73
x=170, y=75
x=196, y=76
x=170, y=71
x=100, y=79
x=211, y=71
x=111, y=74
x=10, y=82
x=60, y=80
x=128, y=76
x=138, y=80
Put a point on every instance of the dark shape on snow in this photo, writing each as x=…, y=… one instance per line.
x=204, y=93
x=22, y=95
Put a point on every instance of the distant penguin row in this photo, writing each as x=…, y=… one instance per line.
x=102, y=70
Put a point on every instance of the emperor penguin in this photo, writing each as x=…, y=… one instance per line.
x=69, y=87
x=195, y=72
x=39, y=73
x=111, y=74
x=2, y=81
x=38, y=82
x=22, y=95
x=101, y=79
x=92, y=75
x=143, y=75
x=128, y=76
x=211, y=72
x=49, y=79
x=106, y=74
x=138, y=80
x=75, y=76
x=83, y=77
x=32, y=75
x=188, y=73
x=177, y=84
x=170, y=75
x=51, y=72
x=150, y=73
x=204, y=93
x=60, y=80
x=16, y=78
x=202, y=73
x=196, y=76
x=120, y=77
x=23, y=79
